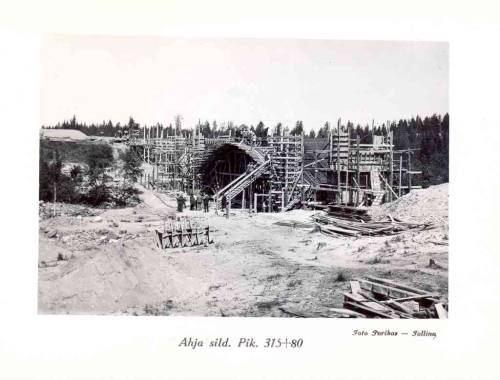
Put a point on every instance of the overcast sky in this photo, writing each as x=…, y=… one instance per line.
x=240, y=80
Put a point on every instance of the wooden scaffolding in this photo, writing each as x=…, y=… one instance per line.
x=279, y=172
x=174, y=159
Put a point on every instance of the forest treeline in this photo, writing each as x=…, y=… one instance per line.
x=429, y=136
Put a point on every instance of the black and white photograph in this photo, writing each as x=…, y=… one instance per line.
x=220, y=190
x=238, y=177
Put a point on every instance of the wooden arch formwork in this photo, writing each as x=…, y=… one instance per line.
x=227, y=162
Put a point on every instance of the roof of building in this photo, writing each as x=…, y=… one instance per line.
x=70, y=134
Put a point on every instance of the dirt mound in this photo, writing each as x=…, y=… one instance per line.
x=109, y=280
x=422, y=205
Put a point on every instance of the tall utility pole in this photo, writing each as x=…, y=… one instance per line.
x=338, y=162
x=373, y=131
x=55, y=197
x=55, y=188
x=144, y=147
x=400, y=173
x=409, y=170
x=191, y=166
x=302, y=167
x=349, y=193
x=357, y=170
x=391, y=161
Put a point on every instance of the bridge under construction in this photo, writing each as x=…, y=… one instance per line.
x=277, y=173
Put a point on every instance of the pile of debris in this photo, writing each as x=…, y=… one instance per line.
x=335, y=226
x=375, y=297
x=380, y=298
x=349, y=213
x=422, y=205
x=49, y=210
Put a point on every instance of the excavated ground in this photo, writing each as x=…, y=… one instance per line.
x=109, y=264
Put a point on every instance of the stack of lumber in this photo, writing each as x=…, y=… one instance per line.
x=349, y=213
x=380, y=298
x=335, y=226
x=316, y=205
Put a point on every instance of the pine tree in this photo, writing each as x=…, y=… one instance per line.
x=278, y=129
x=260, y=130
x=299, y=128
x=324, y=131
x=131, y=165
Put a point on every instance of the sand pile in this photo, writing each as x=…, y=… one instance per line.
x=422, y=206
x=109, y=280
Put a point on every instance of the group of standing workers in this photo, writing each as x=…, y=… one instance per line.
x=195, y=202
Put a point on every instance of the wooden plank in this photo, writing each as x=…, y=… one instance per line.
x=414, y=298
x=354, y=297
x=368, y=310
x=321, y=314
x=396, y=285
x=159, y=243
x=332, y=228
x=384, y=290
x=399, y=307
x=373, y=300
x=355, y=288
x=377, y=306
x=365, y=301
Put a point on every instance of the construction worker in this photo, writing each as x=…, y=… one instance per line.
x=250, y=168
x=181, y=202
x=198, y=202
x=253, y=137
x=192, y=202
x=245, y=134
x=206, y=200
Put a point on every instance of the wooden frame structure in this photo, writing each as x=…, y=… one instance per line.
x=355, y=173
x=175, y=159
x=282, y=171
x=183, y=234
